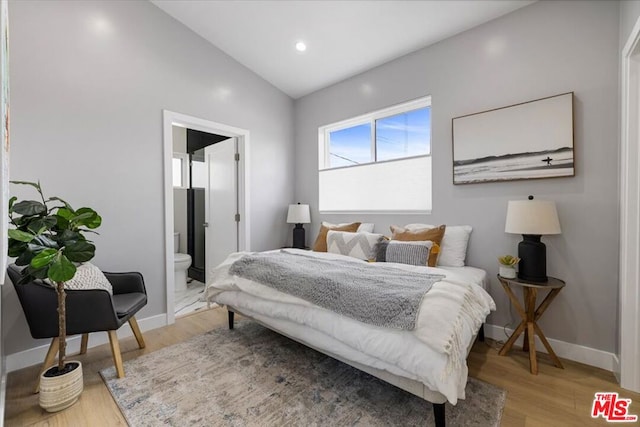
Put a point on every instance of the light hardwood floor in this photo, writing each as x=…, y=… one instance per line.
x=554, y=397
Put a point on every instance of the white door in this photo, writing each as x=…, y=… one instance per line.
x=221, y=203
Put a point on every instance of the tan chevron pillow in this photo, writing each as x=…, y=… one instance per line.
x=321, y=241
x=361, y=245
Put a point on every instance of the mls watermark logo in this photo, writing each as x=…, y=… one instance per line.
x=612, y=408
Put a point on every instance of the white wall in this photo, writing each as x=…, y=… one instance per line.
x=180, y=194
x=629, y=12
x=89, y=81
x=544, y=49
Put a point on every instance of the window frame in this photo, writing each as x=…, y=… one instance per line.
x=324, y=159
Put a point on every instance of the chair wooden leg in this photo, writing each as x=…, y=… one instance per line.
x=136, y=331
x=84, y=342
x=115, y=350
x=48, y=360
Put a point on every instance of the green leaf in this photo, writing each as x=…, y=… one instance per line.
x=63, y=223
x=80, y=218
x=81, y=251
x=36, y=247
x=85, y=230
x=44, y=258
x=16, y=248
x=61, y=269
x=45, y=241
x=25, y=258
x=21, y=236
x=29, y=208
x=37, y=273
x=68, y=237
x=67, y=205
x=41, y=225
x=33, y=184
x=11, y=202
x=66, y=213
x=21, y=221
x=90, y=218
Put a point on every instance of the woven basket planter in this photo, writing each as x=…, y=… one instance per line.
x=60, y=392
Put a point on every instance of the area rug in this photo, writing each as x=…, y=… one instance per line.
x=251, y=376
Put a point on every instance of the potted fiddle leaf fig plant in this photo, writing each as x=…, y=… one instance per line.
x=508, y=266
x=48, y=241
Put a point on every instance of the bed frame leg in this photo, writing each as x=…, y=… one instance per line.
x=438, y=414
x=231, y=313
x=481, y=333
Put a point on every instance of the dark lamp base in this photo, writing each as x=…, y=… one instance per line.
x=533, y=259
x=299, y=240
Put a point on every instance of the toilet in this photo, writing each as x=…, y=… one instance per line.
x=181, y=263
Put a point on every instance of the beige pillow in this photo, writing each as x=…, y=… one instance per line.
x=87, y=277
x=433, y=234
x=320, y=244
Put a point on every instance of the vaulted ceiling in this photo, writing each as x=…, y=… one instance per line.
x=342, y=38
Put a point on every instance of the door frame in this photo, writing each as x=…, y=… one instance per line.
x=629, y=268
x=171, y=118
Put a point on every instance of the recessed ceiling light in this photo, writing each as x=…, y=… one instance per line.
x=301, y=47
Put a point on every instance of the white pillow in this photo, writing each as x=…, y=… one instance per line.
x=365, y=227
x=88, y=276
x=357, y=245
x=453, y=248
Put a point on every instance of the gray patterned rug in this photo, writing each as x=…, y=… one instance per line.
x=251, y=376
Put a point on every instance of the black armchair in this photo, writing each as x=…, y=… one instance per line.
x=87, y=311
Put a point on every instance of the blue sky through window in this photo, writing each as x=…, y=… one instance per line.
x=350, y=146
x=402, y=135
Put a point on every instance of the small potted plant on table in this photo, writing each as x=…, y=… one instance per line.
x=48, y=241
x=508, y=266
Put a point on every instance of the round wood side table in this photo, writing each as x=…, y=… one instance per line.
x=530, y=314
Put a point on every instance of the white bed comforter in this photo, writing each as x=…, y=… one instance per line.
x=434, y=353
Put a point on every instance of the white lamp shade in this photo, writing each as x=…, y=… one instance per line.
x=298, y=214
x=537, y=217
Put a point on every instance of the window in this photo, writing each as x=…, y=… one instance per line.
x=379, y=162
x=199, y=171
x=180, y=168
x=404, y=135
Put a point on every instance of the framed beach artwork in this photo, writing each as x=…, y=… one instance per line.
x=524, y=141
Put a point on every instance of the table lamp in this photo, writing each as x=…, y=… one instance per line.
x=532, y=218
x=298, y=215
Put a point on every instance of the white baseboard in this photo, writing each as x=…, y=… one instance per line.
x=577, y=353
x=616, y=368
x=36, y=355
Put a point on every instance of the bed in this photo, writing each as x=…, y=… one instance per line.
x=428, y=360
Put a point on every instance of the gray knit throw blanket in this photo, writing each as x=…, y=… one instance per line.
x=383, y=295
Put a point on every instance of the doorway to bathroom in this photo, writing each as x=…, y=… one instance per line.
x=206, y=204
